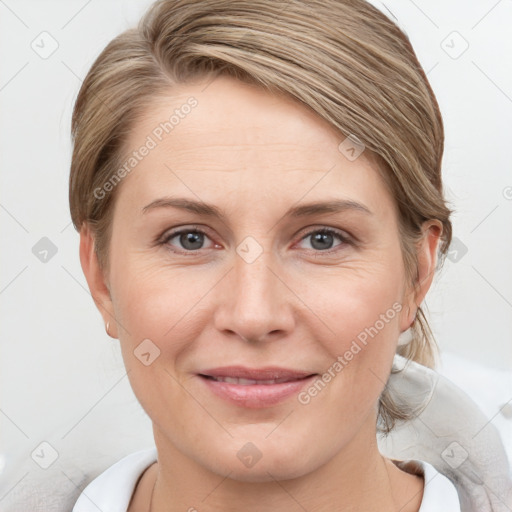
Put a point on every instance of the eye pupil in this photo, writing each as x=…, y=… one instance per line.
x=321, y=238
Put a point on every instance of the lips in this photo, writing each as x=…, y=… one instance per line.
x=255, y=388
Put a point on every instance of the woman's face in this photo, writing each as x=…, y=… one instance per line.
x=253, y=282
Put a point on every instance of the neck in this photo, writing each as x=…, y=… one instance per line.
x=356, y=478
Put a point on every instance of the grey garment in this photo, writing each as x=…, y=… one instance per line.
x=48, y=491
x=452, y=434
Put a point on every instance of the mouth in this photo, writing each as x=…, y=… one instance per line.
x=255, y=389
x=251, y=382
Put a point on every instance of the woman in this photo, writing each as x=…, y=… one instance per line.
x=257, y=187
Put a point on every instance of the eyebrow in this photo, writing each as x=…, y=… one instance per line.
x=304, y=210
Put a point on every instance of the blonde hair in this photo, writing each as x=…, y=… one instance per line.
x=343, y=59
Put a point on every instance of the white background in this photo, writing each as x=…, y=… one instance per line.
x=62, y=378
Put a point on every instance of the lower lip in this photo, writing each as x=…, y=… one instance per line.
x=256, y=396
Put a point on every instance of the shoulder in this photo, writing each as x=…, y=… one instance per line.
x=439, y=493
x=112, y=490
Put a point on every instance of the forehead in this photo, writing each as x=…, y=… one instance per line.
x=229, y=111
x=210, y=138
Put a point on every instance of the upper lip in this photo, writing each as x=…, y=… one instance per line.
x=267, y=373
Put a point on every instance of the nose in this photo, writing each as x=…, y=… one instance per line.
x=255, y=303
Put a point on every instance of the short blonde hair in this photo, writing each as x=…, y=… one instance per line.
x=343, y=59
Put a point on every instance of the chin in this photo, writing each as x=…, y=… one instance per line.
x=262, y=471
x=245, y=461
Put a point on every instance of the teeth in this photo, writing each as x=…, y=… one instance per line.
x=247, y=382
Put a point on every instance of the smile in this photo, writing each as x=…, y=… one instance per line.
x=252, y=393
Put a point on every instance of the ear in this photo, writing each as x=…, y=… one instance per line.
x=427, y=262
x=96, y=281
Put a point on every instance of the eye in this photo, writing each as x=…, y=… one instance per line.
x=190, y=239
x=322, y=239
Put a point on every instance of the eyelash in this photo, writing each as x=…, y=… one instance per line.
x=330, y=231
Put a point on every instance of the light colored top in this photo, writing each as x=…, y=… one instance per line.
x=112, y=490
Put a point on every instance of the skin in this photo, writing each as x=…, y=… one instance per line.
x=254, y=156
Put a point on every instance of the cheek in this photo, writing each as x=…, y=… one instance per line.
x=351, y=301
x=159, y=308
x=160, y=303
x=360, y=312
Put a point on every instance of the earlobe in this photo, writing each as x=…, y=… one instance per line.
x=96, y=279
x=427, y=263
